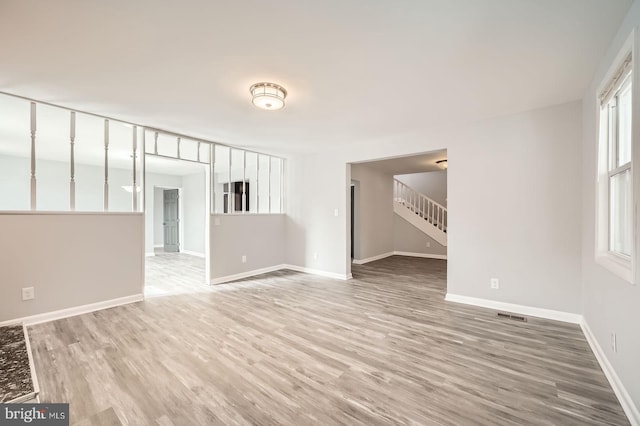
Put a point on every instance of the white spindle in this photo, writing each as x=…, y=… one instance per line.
x=106, y=165
x=143, y=159
x=155, y=144
x=229, y=197
x=244, y=176
x=178, y=145
x=72, y=182
x=269, y=184
x=212, y=192
x=33, y=156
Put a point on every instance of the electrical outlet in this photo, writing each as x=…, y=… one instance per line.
x=28, y=293
x=614, y=342
x=428, y=243
x=495, y=283
x=244, y=259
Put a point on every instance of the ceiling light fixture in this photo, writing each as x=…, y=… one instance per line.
x=268, y=96
x=442, y=163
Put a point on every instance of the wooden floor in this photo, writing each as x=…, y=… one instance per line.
x=289, y=348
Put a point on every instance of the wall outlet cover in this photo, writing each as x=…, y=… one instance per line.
x=495, y=283
x=28, y=293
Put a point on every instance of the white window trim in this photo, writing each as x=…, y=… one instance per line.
x=622, y=266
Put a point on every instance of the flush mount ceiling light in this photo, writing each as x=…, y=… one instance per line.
x=442, y=163
x=268, y=96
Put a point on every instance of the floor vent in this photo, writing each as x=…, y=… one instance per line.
x=512, y=317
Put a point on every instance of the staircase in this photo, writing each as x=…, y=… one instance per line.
x=420, y=211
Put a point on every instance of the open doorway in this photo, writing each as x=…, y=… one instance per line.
x=399, y=208
x=176, y=226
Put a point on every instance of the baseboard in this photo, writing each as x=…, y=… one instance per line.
x=192, y=253
x=334, y=275
x=372, y=258
x=77, y=310
x=517, y=309
x=399, y=253
x=247, y=274
x=424, y=255
x=254, y=272
x=626, y=402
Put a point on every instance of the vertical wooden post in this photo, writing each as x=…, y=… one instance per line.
x=135, y=155
x=106, y=165
x=229, y=197
x=244, y=177
x=212, y=191
x=143, y=159
x=258, y=184
x=269, y=183
x=33, y=156
x=72, y=161
x=281, y=185
x=155, y=144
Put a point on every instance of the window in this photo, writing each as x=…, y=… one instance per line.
x=615, y=173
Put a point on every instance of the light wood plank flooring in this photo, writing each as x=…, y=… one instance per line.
x=295, y=349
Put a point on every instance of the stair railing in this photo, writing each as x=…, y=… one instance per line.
x=420, y=204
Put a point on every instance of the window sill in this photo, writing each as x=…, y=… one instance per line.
x=617, y=265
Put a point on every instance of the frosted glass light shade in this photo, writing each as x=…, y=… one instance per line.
x=268, y=96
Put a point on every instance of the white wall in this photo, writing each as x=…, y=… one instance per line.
x=431, y=184
x=158, y=216
x=260, y=238
x=609, y=304
x=70, y=260
x=195, y=212
x=374, y=219
x=516, y=222
x=408, y=239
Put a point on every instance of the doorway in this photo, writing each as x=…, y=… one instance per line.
x=177, y=200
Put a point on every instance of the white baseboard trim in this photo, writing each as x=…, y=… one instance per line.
x=76, y=310
x=517, y=309
x=399, y=253
x=372, y=258
x=626, y=402
x=192, y=253
x=247, y=274
x=424, y=255
x=334, y=275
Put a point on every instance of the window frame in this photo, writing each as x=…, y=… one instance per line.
x=612, y=86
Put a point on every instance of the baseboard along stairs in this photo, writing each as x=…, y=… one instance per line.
x=420, y=211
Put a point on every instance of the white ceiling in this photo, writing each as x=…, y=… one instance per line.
x=410, y=164
x=355, y=70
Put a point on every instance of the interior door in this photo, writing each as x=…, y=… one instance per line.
x=171, y=221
